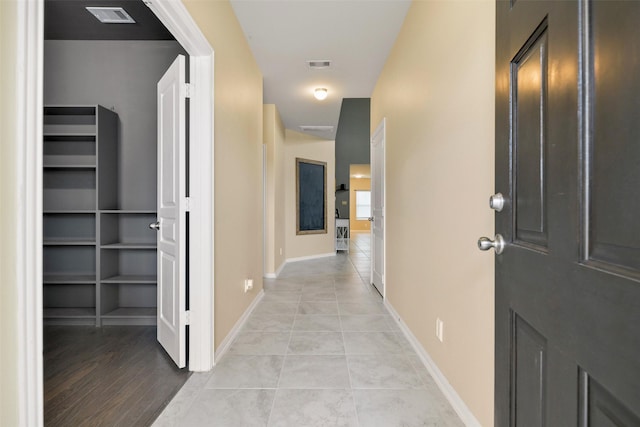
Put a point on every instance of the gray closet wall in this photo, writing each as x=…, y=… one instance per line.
x=121, y=75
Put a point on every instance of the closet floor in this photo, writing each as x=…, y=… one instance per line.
x=107, y=376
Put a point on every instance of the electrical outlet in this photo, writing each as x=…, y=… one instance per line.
x=280, y=251
x=440, y=329
x=248, y=285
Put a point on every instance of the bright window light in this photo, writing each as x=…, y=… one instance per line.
x=363, y=204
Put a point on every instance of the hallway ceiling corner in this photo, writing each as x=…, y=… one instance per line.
x=355, y=35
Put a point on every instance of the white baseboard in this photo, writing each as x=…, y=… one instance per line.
x=449, y=392
x=277, y=273
x=307, y=258
x=288, y=260
x=233, y=333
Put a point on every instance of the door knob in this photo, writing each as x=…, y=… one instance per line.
x=496, y=202
x=485, y=243
x=370, y=219
x=155, y=225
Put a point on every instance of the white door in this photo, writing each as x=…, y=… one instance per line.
x=171, y=211
x=377, y=208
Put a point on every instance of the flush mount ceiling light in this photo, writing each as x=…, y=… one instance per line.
x=111, y=15
x=320, y=93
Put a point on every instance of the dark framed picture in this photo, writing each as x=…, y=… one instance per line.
x=311, y=197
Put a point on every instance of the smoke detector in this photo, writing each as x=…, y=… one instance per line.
x=312, y=128
x=111, y=15
x=319, y=64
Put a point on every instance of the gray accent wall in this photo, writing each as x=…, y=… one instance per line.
x=352, y=144
x=121, y=75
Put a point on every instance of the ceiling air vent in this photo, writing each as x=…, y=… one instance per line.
x=111, y=15
x=319, y=64
x=316, y=128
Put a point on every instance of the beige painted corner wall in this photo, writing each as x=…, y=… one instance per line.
x=275, y=190
x=356, y=184
x=437, y=93
x=9, y=358
x=238, y=162
x=311, y=148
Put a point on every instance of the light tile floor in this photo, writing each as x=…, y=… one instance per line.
x=321, y=350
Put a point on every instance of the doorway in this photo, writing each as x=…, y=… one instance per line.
x=100, y=151
x=175, y=17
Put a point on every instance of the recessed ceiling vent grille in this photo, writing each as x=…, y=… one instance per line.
x=111, y=15
x=319, y=64
x=310, y=128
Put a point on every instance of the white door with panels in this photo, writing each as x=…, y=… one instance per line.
x=171, y=203
x=377, y=208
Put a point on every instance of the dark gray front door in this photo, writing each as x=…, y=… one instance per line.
x=568, y=162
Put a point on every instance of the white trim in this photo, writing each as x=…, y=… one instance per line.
x=265, y=250
x=382, y=127
x=233, y=333
x=29, y=69
x=309, y=257
x=277, y=273
x=449, y=392
x=179, y=22
x=302, y=258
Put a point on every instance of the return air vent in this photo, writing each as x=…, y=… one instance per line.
x=111, y=15
x=316, y=128
x=319, y=64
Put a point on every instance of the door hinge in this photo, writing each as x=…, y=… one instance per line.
x=187, y=90
x=187, y=204
x=187, y=317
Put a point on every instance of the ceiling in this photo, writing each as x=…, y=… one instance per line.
x=69, y=20
x=355, y=35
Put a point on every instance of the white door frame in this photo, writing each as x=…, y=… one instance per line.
x=382, y=128
x=176, y=18
x=28, y=161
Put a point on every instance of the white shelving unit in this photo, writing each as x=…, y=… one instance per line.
x=342, y=234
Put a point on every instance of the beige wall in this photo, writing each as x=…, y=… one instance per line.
x=354, y=185
x=275, y=190
x=437, y=92
x=238, y=162
x=311, y=148
x=8, y=218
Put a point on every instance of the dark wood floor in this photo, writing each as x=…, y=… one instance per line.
x=110, y=376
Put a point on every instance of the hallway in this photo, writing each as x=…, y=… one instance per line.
x=320, y=349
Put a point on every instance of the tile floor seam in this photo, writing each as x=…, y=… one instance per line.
x=284, y=359
x=353, y=398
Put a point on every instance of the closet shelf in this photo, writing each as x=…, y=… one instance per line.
x=132, y=312
x=69, y=242
x=137, y=245
x=69, y=312
x=69, y=211
x=130, y=278
x=69, y=279
x=48, y=165
x=128, y=211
